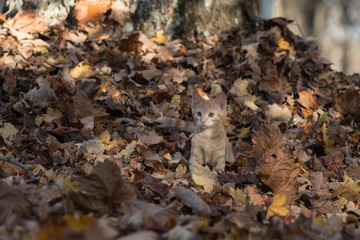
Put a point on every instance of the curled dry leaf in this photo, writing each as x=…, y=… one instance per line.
x=102, y=189
x=82, y=70
x=40, y=97
x=193, y=200
x=13, y=205
x=308, y=103
x=279, y=113
x=82, y=107
x=203, y=176
x=348, y=102
x=276, y=167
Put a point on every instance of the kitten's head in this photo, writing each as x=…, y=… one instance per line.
x=208, y=113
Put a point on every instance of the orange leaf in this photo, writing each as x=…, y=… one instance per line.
x=285, y=45
x=160, y=39
x=91, y=10
x=29, y=21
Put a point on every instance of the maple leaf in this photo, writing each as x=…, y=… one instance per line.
x=278, y=207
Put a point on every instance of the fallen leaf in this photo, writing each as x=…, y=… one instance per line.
x=52, y=114
x=140, y=235
x=82, y=70
x=105, y=137
x=203, y=176
x=160, y=39
x=13, y=205
x=126, y=153
x=104, y=188
x=278, y=113
x=42, y=96
x=285, y=45
x=278, y=207
x=238, y=195
x=7, y=132
x=193, y=200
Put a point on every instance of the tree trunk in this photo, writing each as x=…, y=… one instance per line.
x=174, y=18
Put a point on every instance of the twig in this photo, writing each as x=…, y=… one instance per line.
x=9, y=160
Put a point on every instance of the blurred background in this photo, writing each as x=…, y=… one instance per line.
x=333, y=24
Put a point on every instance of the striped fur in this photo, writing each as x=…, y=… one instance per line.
x=178, y=123
x=209, y=145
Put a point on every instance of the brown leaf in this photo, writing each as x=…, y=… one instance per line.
x=102, y=189
x=308, y=102
x=83, y=107
x=276, y=167
x=333, y=163
x=29, y=21
x=193, y=200
x=13, y=205
x=348, y=102
x=42, y=96
x=155, y=185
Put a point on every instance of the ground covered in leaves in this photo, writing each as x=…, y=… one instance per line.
x=78, y=106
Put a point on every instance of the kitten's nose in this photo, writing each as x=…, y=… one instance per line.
x=203, y=122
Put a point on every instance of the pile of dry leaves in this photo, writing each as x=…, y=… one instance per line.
x=78, y=107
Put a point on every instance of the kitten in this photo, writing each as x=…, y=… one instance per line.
x=209, y=144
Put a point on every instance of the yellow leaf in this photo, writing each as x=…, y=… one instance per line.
x=319, y=221
x=82, y=70
x=7, y=131
x=52, y=114
x=180, y=171
x=176, y=99
x=243, y=133
x=127, y=151
x=205, y=177
x=278, y=207
x=285, y=45
x=350, y=190
x=327, y=140
x=238, y=195
x=68, y=184
x=81, y=224
x=41, y=49
x=105, y=137
x=160, y=39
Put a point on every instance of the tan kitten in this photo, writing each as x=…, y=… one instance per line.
x=209, y=144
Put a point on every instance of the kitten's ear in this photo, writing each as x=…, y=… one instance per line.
x=196, y=98
x=221, y=100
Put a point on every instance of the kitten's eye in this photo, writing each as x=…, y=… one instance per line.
x=198, y=114
x=211, y=114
